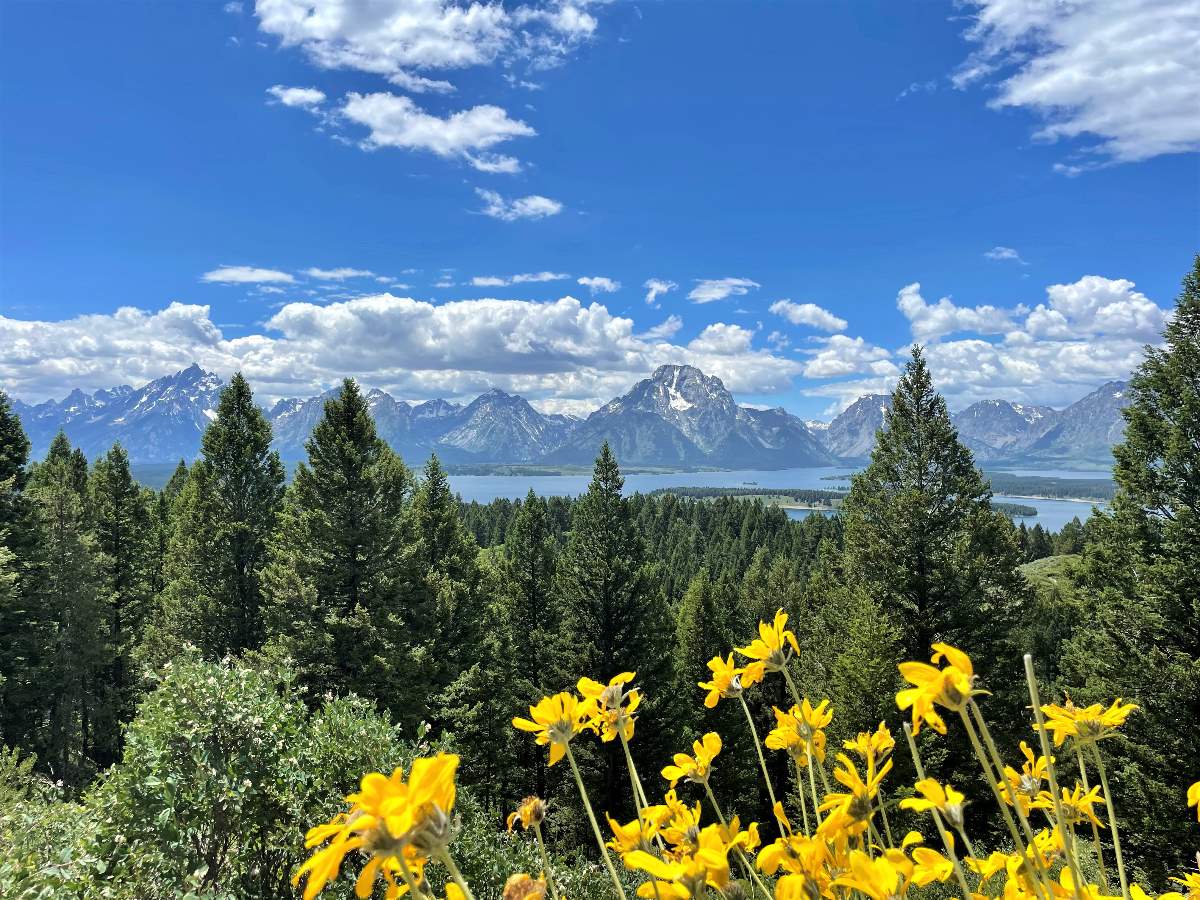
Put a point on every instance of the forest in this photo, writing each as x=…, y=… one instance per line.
x=192, y=677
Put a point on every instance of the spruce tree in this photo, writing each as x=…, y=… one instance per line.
x=223, y=517
x=920, y=533
x=123, y=541
x=336, y=580
x=16, y=671
x=619, y=620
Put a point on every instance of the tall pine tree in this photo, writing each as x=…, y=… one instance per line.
x=336, y=579
x=222, y=519
x=619, y=619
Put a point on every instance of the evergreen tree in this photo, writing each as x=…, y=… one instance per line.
x=1138, y=634
x=921, y=536
x=163, y=523
x=123, y=539
x=336, y=579
x=16, y=666
x=619, y=618
x=63, y=632
x=14, y=453
x=223, y=516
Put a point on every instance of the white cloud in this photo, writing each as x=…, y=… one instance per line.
x=400, y=38
x=598, y=284
x=656, y=287
x=396, y=121
x=1122, y=72
x=844, y=355
x=534, y=206
x=1095, y=306
x=930, y=321
x=667, y=328
x=233, y=8
x=340, y=274
x=709, y=289
x=778, y=340
x=301, y=97
x=808, y=314
x=245, y=275
x=523, y=278
x=1004, y=254
x=562, y=349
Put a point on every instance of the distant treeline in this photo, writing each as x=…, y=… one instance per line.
x=800, y=495
x=1048, y=486
x=1015, y=509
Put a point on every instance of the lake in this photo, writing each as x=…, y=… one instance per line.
x=1052, y=514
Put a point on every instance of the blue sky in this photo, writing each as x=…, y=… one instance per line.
x=251, y=165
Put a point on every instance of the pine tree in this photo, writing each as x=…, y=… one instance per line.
x=336, y=580
x=63, y=630
x=16, y=670
x=123, y=536
x=921, y=536
x=1137, y=635
x=223, y=516
x=619, y=620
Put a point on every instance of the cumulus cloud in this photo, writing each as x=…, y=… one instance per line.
x=933, y=320
x=709, y=289
x=1004, y=254
x=598, y=284
x=1122, y=72
x=396, y=121
x=402, y=38
x=303, y=97
x=1085, y=333
x=562, y=352
x=535, y=206
x=778, y=340
x=655, y=288
x=341, y=274
x=808, y=314
x=245, y=275
x=667, y=328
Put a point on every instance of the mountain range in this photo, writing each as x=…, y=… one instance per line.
x=678, y=417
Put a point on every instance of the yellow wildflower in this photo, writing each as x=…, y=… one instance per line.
x=1086, y=725
x=943, y=798
x=695, y=768
x=883, y=878
x=611, y=707
x=770, y=650
x=1193, y=798
x=555, y=720
x=676, y=821
x=530, y=813
x=728, y=681
x=1191, y=881
x=796, y=731
x=877, y=744
x=388, y=816
x=734, y=836
x=1076, y=805
x=856, y=803
x=950, y=687
x=930, y=866
x=1024, y=787
x=795, y=854
x=627, y=838
x=707, y=864
x=521, y=887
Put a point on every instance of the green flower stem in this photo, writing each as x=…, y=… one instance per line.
x=1095, y=830
x=947, y=841
x=1112, y=821
x=444, y=856
x=1043, y=874
x=537, y=831
x=758, y=749
x=1036, y=699
x=812, y=785
x=407, y=875
x=587, y=805
x=887, y=826
x=746, y=866
x=639, y=793
x=803, y=802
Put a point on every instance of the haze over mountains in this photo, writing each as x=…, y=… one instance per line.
x=678, y=417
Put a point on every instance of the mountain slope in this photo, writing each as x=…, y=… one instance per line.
x=1087, y=429
x=680, y=416
x=851, y=434
x=997, y=429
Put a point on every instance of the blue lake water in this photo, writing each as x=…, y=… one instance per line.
x=1052, y=514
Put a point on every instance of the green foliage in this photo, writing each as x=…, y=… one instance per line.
x=222, y=517
x=335, y=579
